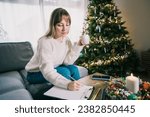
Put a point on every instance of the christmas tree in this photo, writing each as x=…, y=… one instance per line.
x=110, y=50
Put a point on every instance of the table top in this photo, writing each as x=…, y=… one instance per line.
x=97, y=84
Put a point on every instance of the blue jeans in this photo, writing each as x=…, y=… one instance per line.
x=64, y=70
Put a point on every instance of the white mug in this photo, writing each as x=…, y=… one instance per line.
x=85, y=39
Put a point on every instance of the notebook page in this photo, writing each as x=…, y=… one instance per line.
x=82, y=94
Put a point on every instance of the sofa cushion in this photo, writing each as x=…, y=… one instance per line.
x=12, y=74
x=10, y=81
x=36, y=90
x=14, y=55
x=19, y=94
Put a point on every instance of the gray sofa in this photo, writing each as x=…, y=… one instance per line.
x=13, y=84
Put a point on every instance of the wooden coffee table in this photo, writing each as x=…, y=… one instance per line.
x=97, y=84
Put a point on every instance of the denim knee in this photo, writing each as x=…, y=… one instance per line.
x=74, y=71
x=35, y=78
x=64, y=71
x=73, y=68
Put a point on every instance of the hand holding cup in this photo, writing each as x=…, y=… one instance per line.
x=85, y=39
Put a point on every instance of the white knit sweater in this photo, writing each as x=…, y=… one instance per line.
x=50, y=54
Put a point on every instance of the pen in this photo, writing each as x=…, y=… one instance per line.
x=72, y=78
x=76, y=80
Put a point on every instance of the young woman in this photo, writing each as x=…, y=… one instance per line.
x=55, y=55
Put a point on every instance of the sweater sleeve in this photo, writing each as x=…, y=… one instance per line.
x=73, y=53
x=46, y=65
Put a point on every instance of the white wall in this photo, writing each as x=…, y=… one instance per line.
x=137, y=17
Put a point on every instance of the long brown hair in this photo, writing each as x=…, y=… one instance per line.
x=56, y=17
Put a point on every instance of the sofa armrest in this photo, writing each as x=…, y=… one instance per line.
x=82, y=71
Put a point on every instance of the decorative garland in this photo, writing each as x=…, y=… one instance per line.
x=116, y=90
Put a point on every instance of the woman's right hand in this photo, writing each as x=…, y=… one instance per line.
x=73, y=86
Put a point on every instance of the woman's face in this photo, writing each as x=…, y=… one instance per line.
x=62, y=28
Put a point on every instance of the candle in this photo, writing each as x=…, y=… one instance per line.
x=132, y=83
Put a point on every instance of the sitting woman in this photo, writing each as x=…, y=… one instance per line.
x=55, y=55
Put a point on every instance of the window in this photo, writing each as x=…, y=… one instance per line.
x=28, y=20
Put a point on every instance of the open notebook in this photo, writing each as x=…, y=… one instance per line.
x=82, y=94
